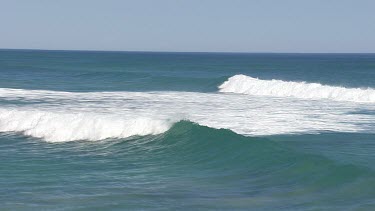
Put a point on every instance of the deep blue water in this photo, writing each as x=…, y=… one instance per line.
x=84, y=130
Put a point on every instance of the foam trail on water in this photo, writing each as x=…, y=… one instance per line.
x=59, y=127
x=67, y=116
x=253, y=86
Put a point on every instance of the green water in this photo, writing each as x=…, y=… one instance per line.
x=151, y=131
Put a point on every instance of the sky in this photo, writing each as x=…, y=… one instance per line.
x=303, y=26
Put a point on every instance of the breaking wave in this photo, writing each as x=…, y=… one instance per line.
x=243, y=84
x=60, y=127
x=57, y=116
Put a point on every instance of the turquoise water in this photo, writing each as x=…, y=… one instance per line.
x=194, y=131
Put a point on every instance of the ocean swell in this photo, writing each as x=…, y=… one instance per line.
x=243, y=84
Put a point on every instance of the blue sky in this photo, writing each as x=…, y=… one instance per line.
x=190, y=25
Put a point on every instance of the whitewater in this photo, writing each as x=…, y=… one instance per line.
x=245, y=105
x=253, y=86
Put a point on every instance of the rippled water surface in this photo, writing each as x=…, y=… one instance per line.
x=126, y=130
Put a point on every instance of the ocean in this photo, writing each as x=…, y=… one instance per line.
x=90, y=130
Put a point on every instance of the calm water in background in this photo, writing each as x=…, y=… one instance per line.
x=117, y=130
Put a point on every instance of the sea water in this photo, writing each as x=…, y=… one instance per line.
x=142, y=130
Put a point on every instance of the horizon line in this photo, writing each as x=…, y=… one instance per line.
x=161, y=51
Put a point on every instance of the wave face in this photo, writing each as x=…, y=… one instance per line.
x=243, y=84
x=68, y=116
x=186, y=167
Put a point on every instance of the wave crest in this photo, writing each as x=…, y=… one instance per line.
x=61, y=127
x=243, y=84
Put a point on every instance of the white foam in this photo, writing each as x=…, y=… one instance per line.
x=58, y=127
x=253, y=86
x=67, y=116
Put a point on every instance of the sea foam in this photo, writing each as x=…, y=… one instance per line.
x=67, y=116
x=243, y=84
x=58, y=127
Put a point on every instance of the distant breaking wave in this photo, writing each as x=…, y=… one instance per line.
x=253, y=86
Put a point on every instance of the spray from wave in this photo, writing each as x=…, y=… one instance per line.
x=243, y=84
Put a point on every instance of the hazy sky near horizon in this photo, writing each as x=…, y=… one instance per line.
x=190, y=25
